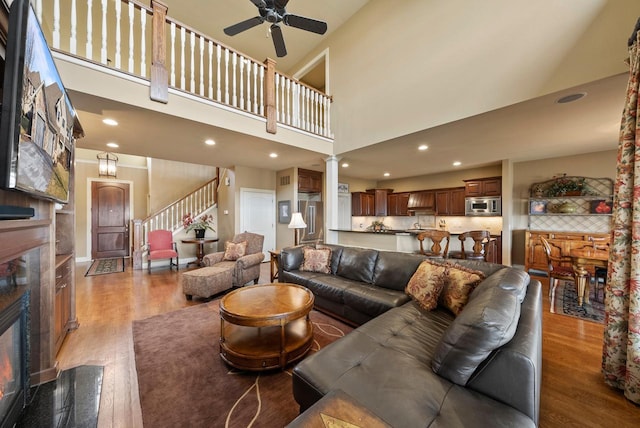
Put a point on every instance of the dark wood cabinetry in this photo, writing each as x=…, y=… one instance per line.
x=62, y=306
x=450, y=201
x=398, y=204
x=309, y=181
x=362, y=204
x=491, y=186
x=424, y=200
x=380, y=201
x=561, y=244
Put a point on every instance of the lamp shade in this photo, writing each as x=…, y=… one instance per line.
x=297, y=222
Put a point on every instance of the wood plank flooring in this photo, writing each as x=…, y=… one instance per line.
x=573, y=394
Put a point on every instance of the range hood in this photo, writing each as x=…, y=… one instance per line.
x=422, y=203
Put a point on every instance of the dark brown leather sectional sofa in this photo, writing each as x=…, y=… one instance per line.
x=417, y=368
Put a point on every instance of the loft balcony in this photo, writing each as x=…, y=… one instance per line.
x=144, y=44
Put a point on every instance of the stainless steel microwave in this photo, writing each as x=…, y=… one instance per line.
x=483, y=206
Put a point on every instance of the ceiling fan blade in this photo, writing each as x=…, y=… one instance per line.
x=260, y=4
x=303, y=23
x=280, y=4
x=278, y=40
x=242, y=26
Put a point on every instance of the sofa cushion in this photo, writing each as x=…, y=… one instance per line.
x=426, y=284
x=371, y=300
x=234, y=250
x=336, y=253
x=459, y=283
x=316, y=260
x=488, y=321
x=393, y=270
x=357, y=264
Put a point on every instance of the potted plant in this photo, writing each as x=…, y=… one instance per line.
x=377, y=226
x=199, y=224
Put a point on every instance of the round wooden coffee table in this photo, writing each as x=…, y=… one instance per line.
x=265, y=327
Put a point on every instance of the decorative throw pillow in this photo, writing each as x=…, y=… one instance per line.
x=459, y=283
x=426, y=284
x=316, y=260
x=234, y=250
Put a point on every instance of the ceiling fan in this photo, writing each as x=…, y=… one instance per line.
x=274, y=11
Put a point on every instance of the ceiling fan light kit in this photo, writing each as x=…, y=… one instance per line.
x=274, y=11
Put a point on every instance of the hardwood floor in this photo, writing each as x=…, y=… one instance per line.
x=573, y=394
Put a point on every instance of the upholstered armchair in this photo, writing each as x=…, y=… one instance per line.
x=244, y=253
x=160, y=246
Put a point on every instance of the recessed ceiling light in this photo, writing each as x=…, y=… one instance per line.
x=273, y=155
x=113, y=145
x=423, y=147
x=210, y=142
x=571, y=98
x=345, y=165
x=457, y=163
x=109, y=122
x=386, y=174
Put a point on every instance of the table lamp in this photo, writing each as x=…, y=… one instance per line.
x=296, y=223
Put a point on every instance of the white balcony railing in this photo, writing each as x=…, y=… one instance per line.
x=146, y=43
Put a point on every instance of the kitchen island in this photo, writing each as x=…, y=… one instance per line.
x=403, y=240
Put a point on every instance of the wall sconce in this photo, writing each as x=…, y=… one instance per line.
x=107, y=164
x=296, y=223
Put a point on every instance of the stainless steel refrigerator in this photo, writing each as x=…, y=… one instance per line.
x=312, y=213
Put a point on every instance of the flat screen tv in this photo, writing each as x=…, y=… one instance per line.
x=38, y=125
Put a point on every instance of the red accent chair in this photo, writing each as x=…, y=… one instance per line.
x=160, y=246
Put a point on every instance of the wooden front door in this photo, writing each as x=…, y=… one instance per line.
x=109, y=219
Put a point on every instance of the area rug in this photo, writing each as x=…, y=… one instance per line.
x=183, y=382
x=104, y=266
x=564, y=300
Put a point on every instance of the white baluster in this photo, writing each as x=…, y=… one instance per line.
x=131, y=17
x=182, y=45
x=288, y=92
x=173, y=54
x=255, y=87
x=73, y=41
x=235, y=73
x=283, y=105
x=103, y=49
x=118, y=35
x=88, y=46
x=56, y=24
x=295, y=93
x=328, y=118
x=143, y=43
x=192, y=75
x=210, y=69
x=261, y=90
x=201, y=66
x=308, y=109
x=277, y=97
x=218, y=76
x=248, y=85
x=242, y=61
x=226, y=76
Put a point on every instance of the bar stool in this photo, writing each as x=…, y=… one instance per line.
x=478, y=252
x=436, y=237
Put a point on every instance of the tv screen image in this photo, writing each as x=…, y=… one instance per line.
x=38, y=125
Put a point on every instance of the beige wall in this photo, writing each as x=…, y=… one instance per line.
x=288, y=192
x=170, y=181
x=438, y=181
x=226, y=207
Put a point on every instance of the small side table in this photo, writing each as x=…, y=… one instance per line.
x=275, y=254
x=200, y=248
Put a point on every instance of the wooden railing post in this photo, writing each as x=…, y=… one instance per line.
x=270, y=96
x=159, y=75
x=137, y=244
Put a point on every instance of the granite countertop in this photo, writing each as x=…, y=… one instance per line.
x=401, y=232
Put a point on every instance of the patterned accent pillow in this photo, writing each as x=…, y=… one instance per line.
x=459, y=283
x=234, y=250
x=316, y=260
x=427, y=283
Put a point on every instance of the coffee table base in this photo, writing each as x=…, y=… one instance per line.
x=265, y=348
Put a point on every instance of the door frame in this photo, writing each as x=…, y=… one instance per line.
x=90, y=180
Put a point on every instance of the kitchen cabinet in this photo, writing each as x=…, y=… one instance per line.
x=491, y=186
x=380, y=197
x=309, y=181
x=494, y=250
x=362, y=204
x=561, y=244
x=62, y=306
x=398, y=204
x=450, y=201
x=423, y=200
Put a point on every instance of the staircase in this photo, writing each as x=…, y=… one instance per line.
x=170, y=217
